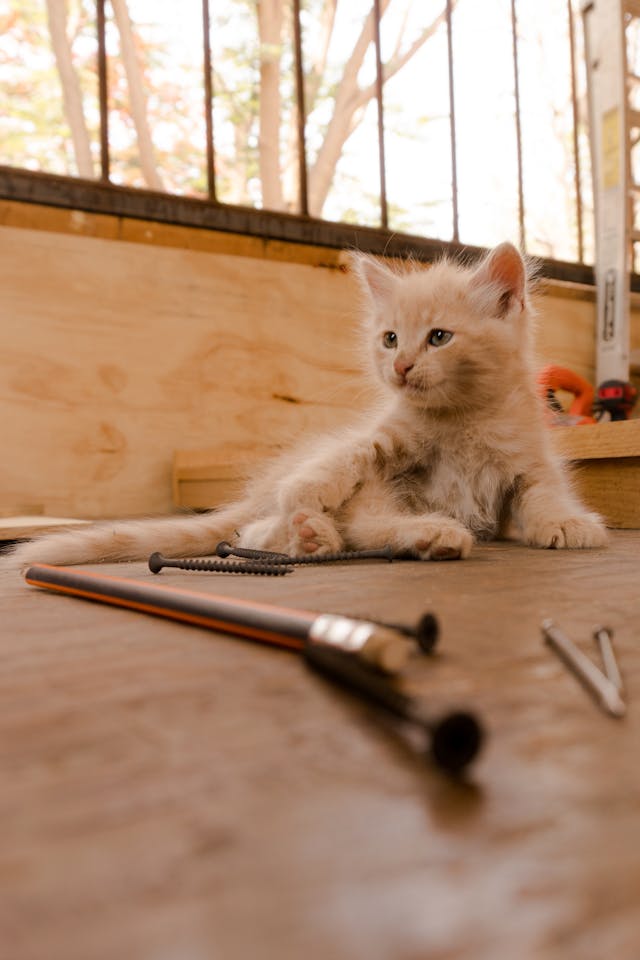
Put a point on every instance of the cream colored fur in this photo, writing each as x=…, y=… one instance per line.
x=457, y=449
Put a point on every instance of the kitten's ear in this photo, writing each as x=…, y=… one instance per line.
x=504, y=270
x=376, y=280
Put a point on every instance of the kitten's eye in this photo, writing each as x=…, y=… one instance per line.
x=439, y=337
x=390, y=339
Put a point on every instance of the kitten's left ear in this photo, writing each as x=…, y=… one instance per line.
x=375, y=278
x=504, y=270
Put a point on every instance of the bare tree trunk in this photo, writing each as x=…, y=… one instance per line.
x=71, y=90
x=270, y=21
x=342, y=123
x=137, y=97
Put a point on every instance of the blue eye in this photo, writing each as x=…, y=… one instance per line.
x=439, y=337
x=390, y=339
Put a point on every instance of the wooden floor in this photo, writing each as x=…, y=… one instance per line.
x=173, y=794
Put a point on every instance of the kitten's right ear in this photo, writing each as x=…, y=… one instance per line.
x=376, y=280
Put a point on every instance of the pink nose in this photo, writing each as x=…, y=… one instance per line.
x=402, y=367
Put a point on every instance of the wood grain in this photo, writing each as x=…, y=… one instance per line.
x=599, y=440
x=123, y=353
x=172, y=792
x=139, y=340
x=606, y=461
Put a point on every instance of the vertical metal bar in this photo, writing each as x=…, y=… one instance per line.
x=300, y=110
x=384, y=213
x=576, y=146
x=208, y=100
x=452, y=124
x=516, y=88
x=103, y=94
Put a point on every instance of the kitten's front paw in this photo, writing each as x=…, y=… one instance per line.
x=443, y=540
x=312, y=532
x=579, y=532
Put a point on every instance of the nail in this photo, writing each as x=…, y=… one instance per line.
x=593, y=679
x=157, y=562
x=602, y=636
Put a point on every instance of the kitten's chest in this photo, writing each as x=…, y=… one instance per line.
x=461, y=476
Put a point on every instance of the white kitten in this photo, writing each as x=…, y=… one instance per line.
x=456, y=450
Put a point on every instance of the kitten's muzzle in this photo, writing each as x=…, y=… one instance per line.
x=402, y=367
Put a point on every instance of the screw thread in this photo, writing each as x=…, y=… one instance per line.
x=157, y=562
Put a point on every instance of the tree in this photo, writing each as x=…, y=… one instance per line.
x=137, y=95
x=350, y=98
x=71, y=90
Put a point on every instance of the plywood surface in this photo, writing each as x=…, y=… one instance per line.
x=122, y=353
x=122, y=342
x=606, y=468
x=599, y=440
x=169, y=792
x=15, y=527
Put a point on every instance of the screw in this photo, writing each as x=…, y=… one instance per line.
x=386, y=553
x=157, y=562
x=425, y=632
x=225, y=549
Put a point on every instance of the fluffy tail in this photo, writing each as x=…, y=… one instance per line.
x=133, y=539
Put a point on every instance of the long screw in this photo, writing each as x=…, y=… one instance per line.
x=225, y=549
x=157, y=562
x=425, y=632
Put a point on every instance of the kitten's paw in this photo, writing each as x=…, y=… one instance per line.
x=268, y=533
x=444, y=540
x=312, y=532
x=578, y=532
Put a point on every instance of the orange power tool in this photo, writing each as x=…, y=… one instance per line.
x=552, y=378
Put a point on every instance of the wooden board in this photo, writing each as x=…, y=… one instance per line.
x=172, y=792
x=599, y=440
x=139, y=340
x=122, y=353
x=606, y=457
x=203, y=479
x=15, y=528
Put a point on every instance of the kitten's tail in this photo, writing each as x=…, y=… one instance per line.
x=114, y=540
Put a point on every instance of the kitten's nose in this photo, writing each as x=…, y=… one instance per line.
x=402, y=367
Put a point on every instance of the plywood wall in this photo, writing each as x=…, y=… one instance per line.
x=115, y=353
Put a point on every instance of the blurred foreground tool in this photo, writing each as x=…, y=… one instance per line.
x=355, y=653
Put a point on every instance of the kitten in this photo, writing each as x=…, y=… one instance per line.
x=457, y=449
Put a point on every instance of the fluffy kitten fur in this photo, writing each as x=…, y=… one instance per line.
x=457, y=449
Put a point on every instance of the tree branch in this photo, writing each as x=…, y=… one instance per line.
x=351, y=99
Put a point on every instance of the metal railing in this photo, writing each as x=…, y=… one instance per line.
x=103, y=195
